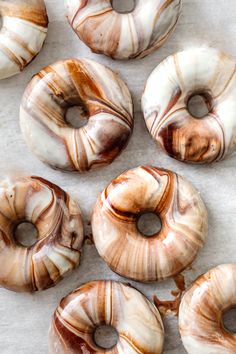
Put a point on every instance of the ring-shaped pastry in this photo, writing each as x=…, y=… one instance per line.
x=136, y=320
x=205, y=72
x=143, y=190
x=23, y=32
x=57, y=219
x=201, y=310
x=105, y=101
x=123, y=36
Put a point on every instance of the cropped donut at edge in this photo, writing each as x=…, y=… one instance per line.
x=58, y=221
x=201, y=311
x=123, y=36
x=23, y=32
x=137, y=321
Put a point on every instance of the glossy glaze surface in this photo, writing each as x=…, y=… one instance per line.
x=60, y=234
x=136, y=319
x=201, y=310
x=123, y=36
x=23, y=32
x=149, y=189
x=105, y=101
x=196, y=71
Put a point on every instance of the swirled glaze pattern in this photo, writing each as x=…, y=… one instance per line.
x=124, y=247
x=60, y=234
x=23, y=32
x=123, y=36
x=136, y=319
x=197, y=71
x=201, y=310
x=105, y=100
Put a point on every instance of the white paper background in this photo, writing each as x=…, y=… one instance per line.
x=25, y=318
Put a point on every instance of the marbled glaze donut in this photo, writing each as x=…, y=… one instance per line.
x=106, y=103
x=136, y=320
x=198, y=71
x=60, y=234
x=23, y=32
x=123, y=36
x=201, y=311
x=125, y=249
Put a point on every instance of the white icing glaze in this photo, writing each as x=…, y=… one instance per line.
x=201, y=310
x=23, y=32
x=205, y=71
x=123, y=36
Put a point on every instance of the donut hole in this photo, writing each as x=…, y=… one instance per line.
x=199, y=105
x=123, y=6
x=229, y=320
x=106, y=337
x=26, y=234
x=149, y=224
x=76, y=117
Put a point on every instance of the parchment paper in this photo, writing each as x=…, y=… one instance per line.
x=25, y=318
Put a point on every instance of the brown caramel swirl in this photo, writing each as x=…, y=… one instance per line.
x=201, y=311
x=136, y=320
x=105, y=101
x=124, y=247
x=60, y=234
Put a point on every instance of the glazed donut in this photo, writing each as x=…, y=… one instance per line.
x=123, y=36
x=136, y=320
x=105, y=101
x=125, y=249
x=197, y=71
x=201, y=311
x=60, y=234
x=23, y=32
